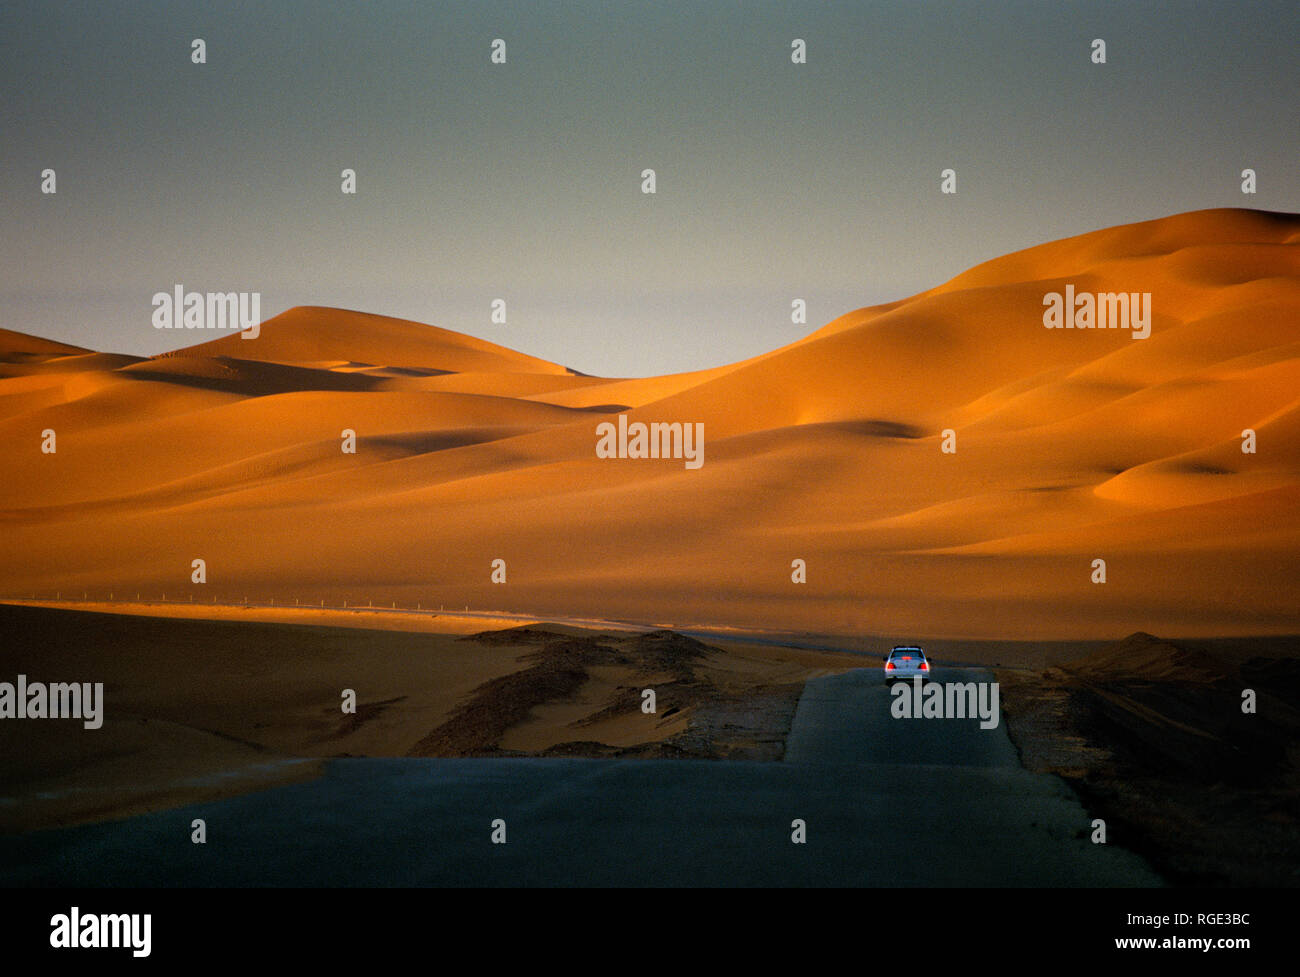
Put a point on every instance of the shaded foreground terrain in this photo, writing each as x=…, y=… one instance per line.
x=1149, y=733
x=852, y=774
x=200, y=709
x=1152, y=736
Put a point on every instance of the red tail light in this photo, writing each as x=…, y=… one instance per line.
x=888, y=665
x=924, y=667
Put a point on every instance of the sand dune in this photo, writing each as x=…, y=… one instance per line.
x=309, y=334
x=1072, y=445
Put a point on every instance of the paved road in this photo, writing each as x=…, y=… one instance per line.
x=846, y=719
x=886, y=802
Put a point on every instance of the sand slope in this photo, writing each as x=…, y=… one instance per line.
x=1072, y=445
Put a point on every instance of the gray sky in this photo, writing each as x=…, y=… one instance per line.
x=522, y=181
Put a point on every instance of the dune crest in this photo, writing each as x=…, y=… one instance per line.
x=340, y=338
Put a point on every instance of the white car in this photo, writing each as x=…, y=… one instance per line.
x=905, y=662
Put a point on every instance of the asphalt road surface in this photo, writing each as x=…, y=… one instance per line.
x=883, y=802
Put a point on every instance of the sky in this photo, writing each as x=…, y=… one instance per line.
x=522, y=181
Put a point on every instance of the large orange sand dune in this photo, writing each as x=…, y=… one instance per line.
x=1071, y=446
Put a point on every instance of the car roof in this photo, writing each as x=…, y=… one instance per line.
x=907, y=648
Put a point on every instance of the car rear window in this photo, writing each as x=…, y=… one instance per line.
x=908, y=653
